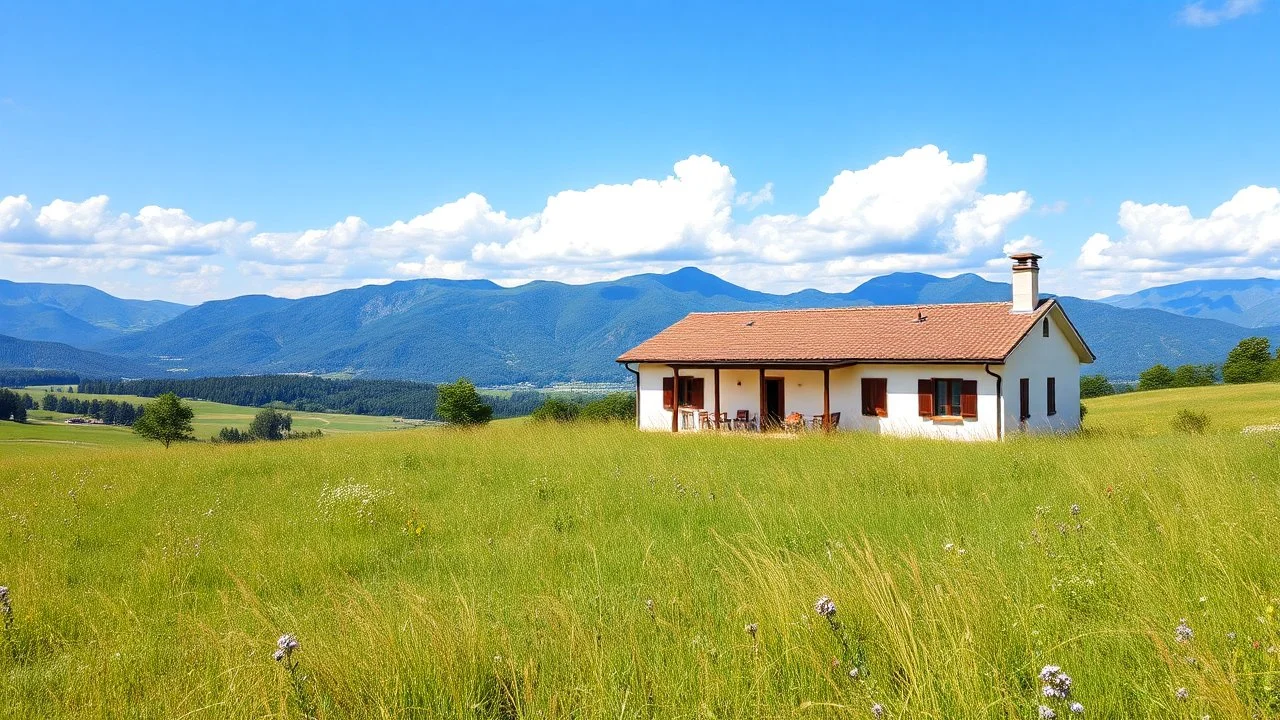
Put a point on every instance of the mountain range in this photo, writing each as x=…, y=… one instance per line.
x=541, y=332
x=1250, y=303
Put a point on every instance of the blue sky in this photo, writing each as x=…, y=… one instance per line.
x=190, y=152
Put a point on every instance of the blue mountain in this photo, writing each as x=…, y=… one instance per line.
x=1249, y=303
x=76, y=314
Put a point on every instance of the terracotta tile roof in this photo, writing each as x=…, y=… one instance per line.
x=974, y=332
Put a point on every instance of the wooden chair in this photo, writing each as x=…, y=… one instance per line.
x=835, y=421
x=705, y=421
x=742, y=421
x=686, y=419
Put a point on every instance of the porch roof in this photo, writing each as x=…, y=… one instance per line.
x=962, y=332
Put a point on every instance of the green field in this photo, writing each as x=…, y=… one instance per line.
x=47, y=432
x=535, y=571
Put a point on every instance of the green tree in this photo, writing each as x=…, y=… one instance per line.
x=1250, y=361
x=49, y=402
x=555, y=409
x=12, y=406
x=165, y=419
x=1092, y=386
x=620, y=406
x=460, y=404
x=1156, y=377
x=1194, y=375
x=270, y=424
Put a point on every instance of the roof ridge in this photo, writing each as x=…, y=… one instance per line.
x=847, y=308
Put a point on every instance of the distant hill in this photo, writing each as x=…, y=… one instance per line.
x=545, y=332
x=16, y=353
x=75, y=314
x=1249, y=303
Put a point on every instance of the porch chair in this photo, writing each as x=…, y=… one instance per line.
x=743, y=421
x=705, y=421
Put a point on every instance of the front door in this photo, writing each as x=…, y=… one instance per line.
x=774, y=401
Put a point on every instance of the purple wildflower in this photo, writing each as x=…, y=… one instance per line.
x=285, y=646
x=1182, y=693
x=1183, y=633
x=877, y=711
x=1046, y=712
x=826, y=607
x=1076, y=708
x=1057, y=684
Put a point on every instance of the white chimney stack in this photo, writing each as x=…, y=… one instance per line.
x=1026, y=282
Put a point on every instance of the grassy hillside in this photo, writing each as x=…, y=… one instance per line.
x=531, y=571
x=47, y=432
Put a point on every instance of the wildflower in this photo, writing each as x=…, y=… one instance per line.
x=1046, y=712
x=648, y=605
x=853, y=673
x=1182, y=693
x=6, y=606
x=1231, y=636
x=285, y=646
x=752, y=629
x=1057, y=684
x=1075, y=509
x=877, y=711
x=825, y=607
x=1076, y=708
x=948, y=547
x=1182, y=633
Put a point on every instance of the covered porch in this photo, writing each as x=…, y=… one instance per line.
x=758, y=398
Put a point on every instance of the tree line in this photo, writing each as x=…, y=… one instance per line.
x=1250, y=361
x=302, y=393
x=14, y=407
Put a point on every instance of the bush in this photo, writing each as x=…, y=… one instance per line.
x=1156, y=377
x=554, y=409
x=1092, y=386
x=619, y=407
x=1084, y=410
x=460, y=404
x=1193, y=422
x=270, y=424
x=231, y=435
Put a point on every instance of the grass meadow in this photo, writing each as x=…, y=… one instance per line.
x=531, y=571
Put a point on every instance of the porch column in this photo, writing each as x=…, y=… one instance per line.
x=826, y=399
x=763, y=404
x=675, y=399
x=717, y=384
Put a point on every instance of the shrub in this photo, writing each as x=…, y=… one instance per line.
x=231, y=435
x=270, y=424
x=1156, y=377
x=1191, y=421
x=460, y=404
x=1092, y=386
x=555, y=409
x=620, y=406
x=1084, y=410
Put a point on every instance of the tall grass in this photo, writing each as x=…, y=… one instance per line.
x=506, y=572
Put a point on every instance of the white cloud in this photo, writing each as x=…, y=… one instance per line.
x=1198, y=14
x=753, y=200
x=1167, y=243
x=1056, y=207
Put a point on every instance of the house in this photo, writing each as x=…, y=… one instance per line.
x=961, y=371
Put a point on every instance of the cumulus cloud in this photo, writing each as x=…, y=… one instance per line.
x=1200, y=14
x=918, y=210
x=1167, y=243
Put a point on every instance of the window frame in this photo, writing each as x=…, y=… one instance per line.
x=879, y=406
x=1051, y=396
x=1044, y=328
x=956, y=394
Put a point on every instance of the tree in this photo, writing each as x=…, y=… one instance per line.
x=1092, y=386
x=65, y=405
x=12, y=406
x=460, y=404
x=49, y=402
x=1156, y=377
x=110, y=411
x=555, y=409
x=1249, y=361
x=1194, y=375
x=126, y=415
x=270, y=424
x=165, y=419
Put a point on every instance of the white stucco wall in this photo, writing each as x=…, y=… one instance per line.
x=740, y=390
x=1038, y=358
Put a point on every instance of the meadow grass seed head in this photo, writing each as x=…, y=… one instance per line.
x=1183, y=633
x=825, y=606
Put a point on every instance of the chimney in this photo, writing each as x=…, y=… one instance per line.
x=1026, y=282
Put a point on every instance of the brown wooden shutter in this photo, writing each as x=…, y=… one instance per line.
x=668, y=393
x=868, y=399
x=882, y=397
x=696, y=386
x=1024, y=398
x=969, y=399
x=1051, y=396
x=924, y=389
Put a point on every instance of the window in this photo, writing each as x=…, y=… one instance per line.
x=1044, y=327
x=875, y=397
x=949, y=398
x=1051, y=396
x=1024, y=399
x=691, y=392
